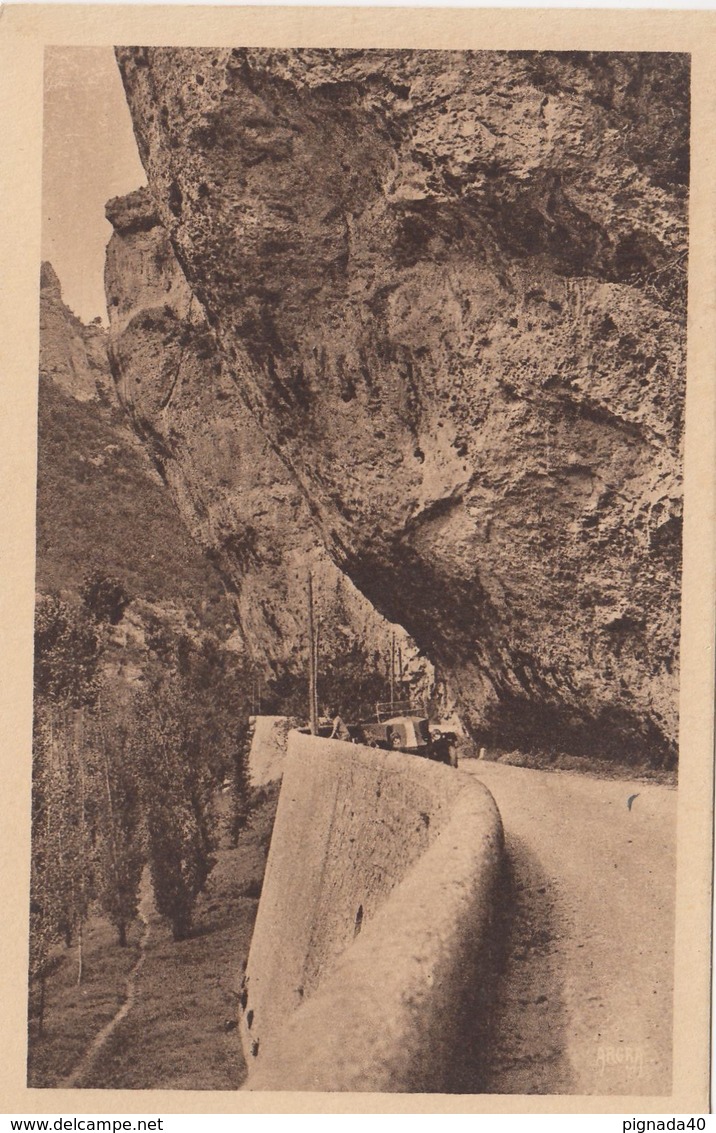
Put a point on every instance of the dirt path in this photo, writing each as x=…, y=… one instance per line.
x=85, y=1064
x=584, y=1003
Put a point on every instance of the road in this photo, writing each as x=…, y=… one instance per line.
x=584, y=1003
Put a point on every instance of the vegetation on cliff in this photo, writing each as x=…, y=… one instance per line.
x=143, y=690
x=130, y=620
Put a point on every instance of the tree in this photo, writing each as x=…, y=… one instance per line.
x=46, y=906
x=177, y=791
x=67, y=654
x=105, y=597
x=239, y=799
x=191, y=729
x=120, y=852
x=215, y=687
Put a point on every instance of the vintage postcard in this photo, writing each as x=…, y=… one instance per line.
x=358, y=611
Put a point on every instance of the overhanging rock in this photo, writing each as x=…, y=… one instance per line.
x=450, y=287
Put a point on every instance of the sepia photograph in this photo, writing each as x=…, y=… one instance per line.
x=357, y=727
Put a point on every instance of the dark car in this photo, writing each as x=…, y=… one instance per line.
x=410, y=734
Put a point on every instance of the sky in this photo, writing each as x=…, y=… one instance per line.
x=89, y=155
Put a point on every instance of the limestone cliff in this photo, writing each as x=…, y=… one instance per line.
x=102, y=508
x=241, y=503
x=72, y=354
x=450, y=288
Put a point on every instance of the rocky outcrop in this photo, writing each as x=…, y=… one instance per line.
x=72, y=354
x=450, y=289
x=239, y=500
x=103, y=511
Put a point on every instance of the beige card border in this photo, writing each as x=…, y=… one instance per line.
x=24, y=32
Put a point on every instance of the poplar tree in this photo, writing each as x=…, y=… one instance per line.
x=120, y=851
x=177, y=794
x=67, y=654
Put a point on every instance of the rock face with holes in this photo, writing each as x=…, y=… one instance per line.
x=240, y=502
x=450, y=288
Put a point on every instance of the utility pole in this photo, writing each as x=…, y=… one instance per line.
x=312, y=711
x=316, y=640
x=79, y=747
x=392, y=672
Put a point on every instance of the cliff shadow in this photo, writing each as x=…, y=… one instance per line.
x=514, y=1025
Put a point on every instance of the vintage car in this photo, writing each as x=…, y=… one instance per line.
x=443, y=745
x=411, y=734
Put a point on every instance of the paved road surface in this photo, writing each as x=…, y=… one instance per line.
x=584, y=1002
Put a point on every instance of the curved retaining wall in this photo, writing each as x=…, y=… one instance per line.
x=269, y=743
x=370, y=945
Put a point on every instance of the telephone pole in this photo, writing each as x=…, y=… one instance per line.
x=312, y=701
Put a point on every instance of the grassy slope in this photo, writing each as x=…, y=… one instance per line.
x=181, y=1033
x=74, y=1014
x=99, y=506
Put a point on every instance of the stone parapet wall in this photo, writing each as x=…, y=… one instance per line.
x=374, y=924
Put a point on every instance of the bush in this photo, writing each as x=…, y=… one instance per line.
x=105, y=598
x=67, y=654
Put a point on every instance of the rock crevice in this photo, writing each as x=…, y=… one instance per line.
x=238, y=499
